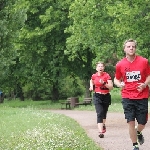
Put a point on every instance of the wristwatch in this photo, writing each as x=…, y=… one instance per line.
x=104, y=83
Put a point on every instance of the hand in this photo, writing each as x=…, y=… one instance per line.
x=141, y=86
x=122, y=85
x=91, y=88
x=101, y=81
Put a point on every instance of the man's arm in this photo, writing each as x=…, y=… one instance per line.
x=118, y=83
x=142, y=86
x=147, y=81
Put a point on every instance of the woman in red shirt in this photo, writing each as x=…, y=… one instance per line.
x=102, y=83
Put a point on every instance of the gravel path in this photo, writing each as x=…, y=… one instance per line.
x=116, y=137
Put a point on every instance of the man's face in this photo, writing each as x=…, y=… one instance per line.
x=130, y=48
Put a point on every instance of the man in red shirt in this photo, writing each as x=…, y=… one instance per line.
x=133, y=76
x=102, y=99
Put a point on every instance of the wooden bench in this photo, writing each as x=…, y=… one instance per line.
x=86, y=101
x=67, y=104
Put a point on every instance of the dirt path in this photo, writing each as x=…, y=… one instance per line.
x=116, y=137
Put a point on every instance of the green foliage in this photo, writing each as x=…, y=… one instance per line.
x=13, y=16
x=131, y=20
x=89, y=33
x=47, y=104
x=68, y=87
x=72, y=87
x=45, y=42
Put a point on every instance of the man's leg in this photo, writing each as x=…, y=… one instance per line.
x=132, y=131
x=133, y=135
x=140, y=137
x=140, y=127
x=142, y=117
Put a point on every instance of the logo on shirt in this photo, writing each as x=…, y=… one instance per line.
x=133, y=76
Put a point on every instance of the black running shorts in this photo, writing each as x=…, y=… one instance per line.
x=136, y=109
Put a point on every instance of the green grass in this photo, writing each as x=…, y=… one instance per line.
x=33, y=129
x=47, y=104
x=24, y=125
x=116, y=105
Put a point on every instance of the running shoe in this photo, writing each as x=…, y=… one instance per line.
x=101, y=135
x=140, y=138
x=104, y=129
x=136, y=147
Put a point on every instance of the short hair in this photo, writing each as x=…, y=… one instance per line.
x=100, y=62
x=130, y=40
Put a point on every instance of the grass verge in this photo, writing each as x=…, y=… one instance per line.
x=33, y=129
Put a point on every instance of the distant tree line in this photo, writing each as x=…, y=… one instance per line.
x=49, y=48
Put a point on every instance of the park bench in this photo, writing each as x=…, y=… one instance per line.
x=70, y=103
x=86, y=101
x=67, y=104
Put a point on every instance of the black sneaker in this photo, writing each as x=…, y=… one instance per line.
x=104, y=128
x=136, y=147
x=140, y=138
x=101, y=135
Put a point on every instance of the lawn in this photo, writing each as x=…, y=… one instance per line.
x=24, y=126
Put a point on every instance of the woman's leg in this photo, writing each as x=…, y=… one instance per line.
x=106, y=106
x=99, y=111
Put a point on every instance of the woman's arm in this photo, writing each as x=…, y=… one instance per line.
x=91, y=85
x=109, y=84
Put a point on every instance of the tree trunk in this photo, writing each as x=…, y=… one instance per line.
x=87, y=92
x=1, y=97
x=55, y=93
x=20, y=93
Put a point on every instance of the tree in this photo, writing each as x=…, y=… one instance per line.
x=13, y=16
x=90, y=37
x=131, y=20
x=43, y=42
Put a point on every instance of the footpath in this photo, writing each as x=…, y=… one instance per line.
x=116, y=136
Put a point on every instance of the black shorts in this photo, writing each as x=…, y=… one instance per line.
x=102, y=98
x=136, y=109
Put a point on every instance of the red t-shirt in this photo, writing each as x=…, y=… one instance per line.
x=98, y=86
x=132, y=73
